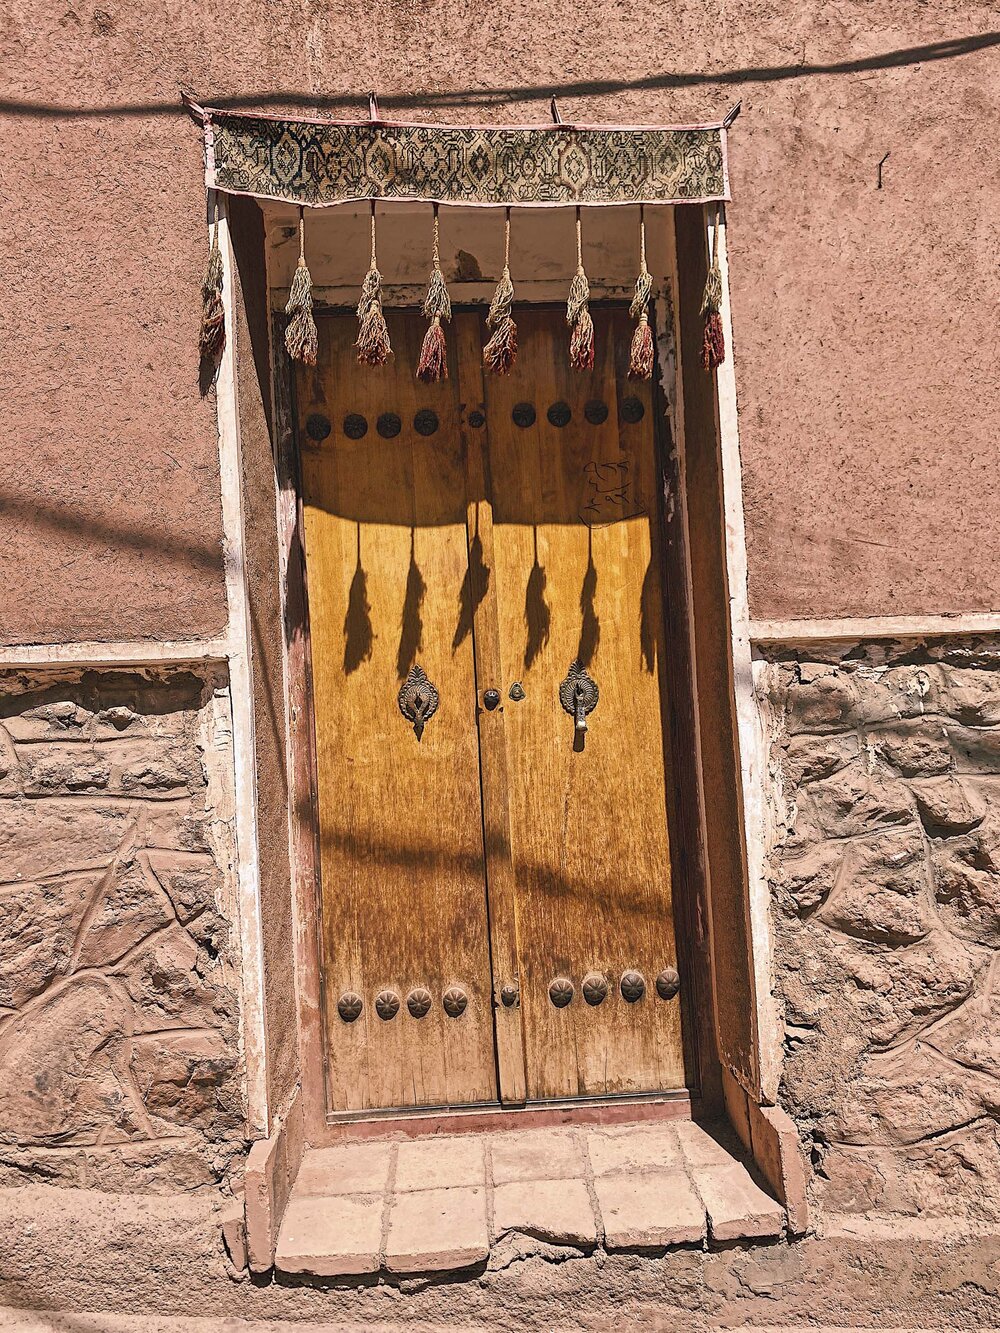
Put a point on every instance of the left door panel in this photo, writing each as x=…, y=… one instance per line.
x=400, y=819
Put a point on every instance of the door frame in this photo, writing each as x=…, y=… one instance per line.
x=685, y=812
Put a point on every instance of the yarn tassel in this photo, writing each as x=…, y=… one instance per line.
x=713, y=343
x=640, y=366
x=373, y=336
x=433, y=363
x=301, y=338
x=500, y=352
x=581, y=338
x=212, y=337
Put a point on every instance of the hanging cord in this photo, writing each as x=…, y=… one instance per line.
x=301, y=337
x=581, y=339
x=373, y=335
x=500, y=352
x=212, y=337
x=433, y=363
x=713, y=343
x=642, y=353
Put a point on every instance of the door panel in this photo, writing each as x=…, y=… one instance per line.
x=401, y=839
x=577, y=577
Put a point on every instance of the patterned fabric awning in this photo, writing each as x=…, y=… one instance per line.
x=320, y=162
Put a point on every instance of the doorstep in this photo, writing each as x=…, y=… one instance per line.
x=452, y=1201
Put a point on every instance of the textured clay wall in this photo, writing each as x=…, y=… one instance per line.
x=120, y=1054
x=865, y=380
x=886, y=883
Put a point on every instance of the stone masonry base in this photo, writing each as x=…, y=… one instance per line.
x=80, y=1251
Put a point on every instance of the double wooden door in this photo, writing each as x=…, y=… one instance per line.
x=487, y=644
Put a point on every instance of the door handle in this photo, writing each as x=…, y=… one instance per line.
x=578, y=695
x=417, y=699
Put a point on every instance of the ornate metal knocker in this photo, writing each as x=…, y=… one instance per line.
x=578, y=695
x=418, y=700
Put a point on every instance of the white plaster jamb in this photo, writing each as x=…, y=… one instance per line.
x=849, y=629
x=176, y=652
x=749, y=723
x=241, y=686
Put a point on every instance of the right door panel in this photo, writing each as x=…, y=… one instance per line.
x=577, y=567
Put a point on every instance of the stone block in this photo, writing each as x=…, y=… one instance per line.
x=649, y=1211
x=736, y=1207
x=189, y=1080
x=38, y=926
x=778, y=1155
x=966, y=873
x=825, y=701
x=859, y=801
x=192, y=881
x=440, y=1163
x=130, y=905
x=168, y=979
x=63, y=768
x=885, y=695
x=437, y=1230
x=558, y=1211
x=810, y=878
x=39, y=839
x=947, y=806
x=976, y=750
x=975, y=697
x=883, y=890
x=633, y=1149
x=809, y=757
x=349, y=1168
x=916, y=749
x=536, y=1154
x=330, y=1236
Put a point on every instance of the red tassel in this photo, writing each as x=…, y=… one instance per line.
x=713, y=343
x=641, y=359
x=433, y=363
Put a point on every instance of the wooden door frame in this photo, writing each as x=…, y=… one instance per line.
x=685, y=816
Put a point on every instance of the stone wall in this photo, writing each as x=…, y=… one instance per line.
x=120, y=1055
x=886, y=888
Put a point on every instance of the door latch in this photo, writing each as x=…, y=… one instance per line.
x=417, y=699
x=578, y=695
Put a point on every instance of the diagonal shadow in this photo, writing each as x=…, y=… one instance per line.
x=411, y=634
x=358, y=633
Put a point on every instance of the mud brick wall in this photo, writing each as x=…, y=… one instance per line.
x=886, y=888
x=120, y=1058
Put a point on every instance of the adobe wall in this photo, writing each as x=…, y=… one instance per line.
x=120, y=1053
x=864, y=377
x=885, y=870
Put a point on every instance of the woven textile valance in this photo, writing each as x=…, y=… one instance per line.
x=320, y=162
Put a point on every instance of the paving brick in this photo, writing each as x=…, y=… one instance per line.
x=554, y=1210
x=331, y=1236
x=700, y=1148
x=736, y=1207
x=440, y=1163
x=437, y=1229
x=631, y=1148
x=650, y=1210
x=536, y=1154
x=350, y=1168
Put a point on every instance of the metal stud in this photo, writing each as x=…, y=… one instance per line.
x=595, y=988
x=419, y=1002
x=387, y=1004
x=477, y=419
x=317, y=426
x=560, y=414
x=632, y=410
x=596, y=412
x=561, y=992
x=455, y=1001
x=633, y=986
x=389, y=425
x=355, y=426
x=425, y=422
x=349, y=1006
x=523, y=415
x=668, y=983
x=509, y=995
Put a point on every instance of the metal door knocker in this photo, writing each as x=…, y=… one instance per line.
x=578, y=695
x=418, y=700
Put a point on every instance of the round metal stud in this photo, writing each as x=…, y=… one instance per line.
x=596, y=412
x=389, y=425
x=355, y=426
x=632, y=410
x=387, y=1004
x=349, y=1006
x=425, y=422
x=523, y=415
x=455, y=1001
x=509, y=995
x=477, y=419
x=595, y=988
x=668, y=983
x=633, y=986
x=559, y=414
x=561, y=992
x=419, y=1002
x=491, y=700
x=317, y=426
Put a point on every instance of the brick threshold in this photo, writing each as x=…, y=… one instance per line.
x=449, y=1201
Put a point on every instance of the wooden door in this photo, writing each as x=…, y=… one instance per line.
x=404, y=920
x=575, y=539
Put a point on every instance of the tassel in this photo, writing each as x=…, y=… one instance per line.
x=640, y=366
x=212, y=337
x=301, y=338
x=373, y=336
x=500, y=352
x=433, y=363
x=713, y=343
x=581, y=338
